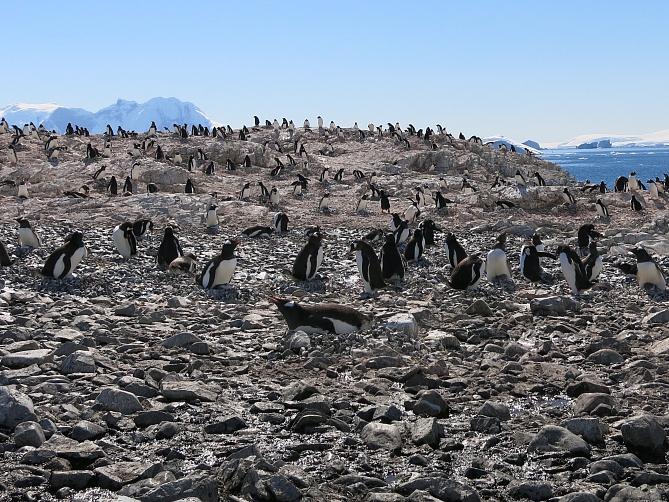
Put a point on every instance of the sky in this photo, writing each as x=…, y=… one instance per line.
x=540, y=70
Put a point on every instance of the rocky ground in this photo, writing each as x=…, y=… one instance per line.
x=126, y=382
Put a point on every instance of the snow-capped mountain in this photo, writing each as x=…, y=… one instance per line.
x=653, y=139
x=499, y=140
x=130, y=115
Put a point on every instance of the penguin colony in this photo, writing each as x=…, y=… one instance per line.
x=382, y=257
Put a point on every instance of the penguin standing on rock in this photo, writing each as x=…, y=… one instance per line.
x=281, y=222
x=169, y=249
x=573, y=269
x=141, y=228
x=467, y=274
x=321, y=318
x=648, y=272
x=428, y=227
x=635, y=204
x=592, y=262
x=392, y=262
x=455, y=252
x=28, y=236
x=568, y=197
x=530, y=263
x=497, y=263
x=190, y=188
x=124, y=240
x=62, y=262
x=602, y=210
x=246, y=191
x=368, y=266
x=221, y=267
x=212, y=217
x=310, y=258
x=416, y=246
x=540, y=181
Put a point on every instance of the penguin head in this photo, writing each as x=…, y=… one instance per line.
x=169, y=232
x=536, y=239
x=229, y=248
x=23, y=222
x=640, y=253
x=76, y=239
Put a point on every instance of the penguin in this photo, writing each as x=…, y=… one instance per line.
x=629, y=269
x=28, y=236
x=653, y=188
x=189, y=186
x=454, y=250
x=648, y=271
x=297, y=188
x=635, y=204
x=220, y=269
x=339, y=174
x=98, y=172
x=310, y=258
x=395, y=222
x=112, y=187
x=169, y=249
x=5, y=260
x=23, y=190
x=660, y=185
x=402, y=232
x=141, y=228
x=586, y=233
x=127, y=186
x=151, y=188
x=152, y=129
x=392, y=262
x=258, y=231
x=211, y=217
x=62, y=262
x=467, y=273
x=281, y=222
x=247, y=161
x=322, y=317
x=602, y=187
x=264, y=192
x=374, y=235
x=416, y=246
x=592, y=262
x=568, y=197
x=211, y=168
x=520, y=179
x=429, y=227
x=373, y=178
x=385, y=202
x=601, y=209
x=412, y=212
x=497, y=263
x=362, y=204
x=621, y=184
x=530, y=263
x=274, y=196
x=573, y=269
x=505, y=204
x=124, y=240
x=540, y=181
x=311, y=230
x=191, y=163
x=369, y=266
x=632, y=182
x=324, y=174
x=323, y=204
x=246, y=191
x=159, y=153
x=440, y=201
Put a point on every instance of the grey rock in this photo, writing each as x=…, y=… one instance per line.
x=180, y=340
x=282, y=489
x=199, y=348
x=496, y=410
x=644, y=436
x=580, y=497
x=26, y=358
x=555, y=304
x=431, y=404
x=124, y=402
x=126, y=309
x=202, y=487
x=586, y=387
x=115, y=476
x=382, y=436
x=555, y=439
x=661, y=317
x=187, y=391
x=69, y=449
x=77, y=480
x=29, y=434
x=153, y=417
x=226, y=426
x=15, y=407
x=178, y=302
x=606, y=465
x=479, y=307
x=426, y=431
x=533, y=490
x=622, y=493
x=404, y=323
x=417, y=496
x=297, y=340
x=167, y=430
x=588, y=428
x=79, y=361
x=441, y=487
x=586, y=403
x=381, y=362
x=86, y=430
x=440, y=340
x=627, y=460
x=298, y=391
x=606, y=357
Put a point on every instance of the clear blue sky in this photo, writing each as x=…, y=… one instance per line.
x=542, y=70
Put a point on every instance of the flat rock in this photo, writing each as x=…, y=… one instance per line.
x=404, y=323
x=555, y=304
x=27, y=358
x=115, y=476
x=187, y=391
x=180, y=340
x=588, y=402
x=15, y=407
x=225, y=426
x=79, y=361
x=479, y=307
x=661, y=317
x=555, y=439
x=496, y=410
x=588, y=428
x=202, y=487
x=119, y=400
x=606, y=357
x=382, y=436
x=440, y=487
x=77, y=480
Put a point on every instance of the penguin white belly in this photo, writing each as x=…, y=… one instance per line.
x=522, y=261
x=319, y=259
x=341, y=326
x=121, y=243
x=596, y=269
x=310, y=330
x=410, y=213
x=600, y=210
x=78, y=255
x=569, y=272
x=497, y=265
x=648, y=273
x=653, y=190
x=23, y=191
x=475, y=280
x=224, y=272
x=212, y=219
x=28, y=238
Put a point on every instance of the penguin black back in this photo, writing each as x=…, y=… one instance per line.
x=169, y=249
x=456, y=253
x=392, y=262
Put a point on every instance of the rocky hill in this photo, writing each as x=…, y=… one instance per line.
x=129, y=381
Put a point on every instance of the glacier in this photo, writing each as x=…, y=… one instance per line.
x=130, y=115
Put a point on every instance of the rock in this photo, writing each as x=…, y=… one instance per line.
x=622, y=493
x=496, y=410
x=282, y=489
x=298, y=391
x=588, y=428
x=225, y=426
x=440, y=340
x=124, y=402
x=555, y=439
x=586, y=403
x=115, y=476
x=153, y=417
x=426, y=431
x=199, y=348
x=78, y=480
x=479, y=307
x=555, y=304
x=431, y=404
x=187, y=391
x=381, y=362
x=27, y=358
x=644, y=437
x=79, y=361
x=126, y=309
x=579, y=497
x=382, y=436
x=29, y=434
x=15, y=407
x=441, y=487
x=86, y=430
x=198, y=486
x=606, y=357
x=530, y=490
x=296, y=341
x=606, y=465
x=661, y=317
x=404, y=323
x=178, y=302
x=586, y=387
x=180, y=340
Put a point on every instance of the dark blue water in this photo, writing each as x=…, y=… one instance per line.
x=609, y=163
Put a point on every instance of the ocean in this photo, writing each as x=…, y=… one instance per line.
x=609, y=163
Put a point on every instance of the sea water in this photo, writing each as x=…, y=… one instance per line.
x=608, y=163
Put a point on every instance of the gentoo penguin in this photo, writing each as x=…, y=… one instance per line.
x=5, y=260
x=98, y=172
x=536, y=240
x=374, y=235
x=297, y=188
x=415, y=246
x=586, y=233
x=392, y=262
x=621, y=184
x=314, y=229
x=274, y=196
x=573, y=269
x=505, y=204
x=310, y=258
x=124, y=240
x=322, y=317
x=530, y=264
x=320, y=122
x=264, y=192
x=281, y=222
x=247, y=161
x=27, y=236
x=540, y=181
x=602, y=187
x=191, y=163
x=11, y=155
x=635, y=204
x=385, y=202
x=338, y=175
x=627, y=268
x=429, y=227
x=660, y=185
x=23, y=190
x=324, y=174
x=112, y=187
x=601, y=209
x=323, y=204
x=454, y=250
x=62, y=262
x=127, y=186
x=632, y=183
x=221, y=267
x=141, y=228
x=467, y=273
x=652, y=187
x=212, y=217
x=567, y=196
x=412, y=212
x=169, y=249
x=402, y=232
x=592, y=262
x=189, y=186
x=369, y=266
x=520, y=179
x=258, y=231
x=440, y=201
x=373, y=178
x=395, y=222
x=497, y=264
x=648, y=272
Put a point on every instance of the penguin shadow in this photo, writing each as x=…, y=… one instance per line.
x=505, y=283
x=659, y=204
x=212, y=230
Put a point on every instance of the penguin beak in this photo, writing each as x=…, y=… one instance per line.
x=273, y=300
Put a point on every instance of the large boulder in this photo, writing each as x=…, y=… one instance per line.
x=644, y=436
x=555, y=439
x=15, y=407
